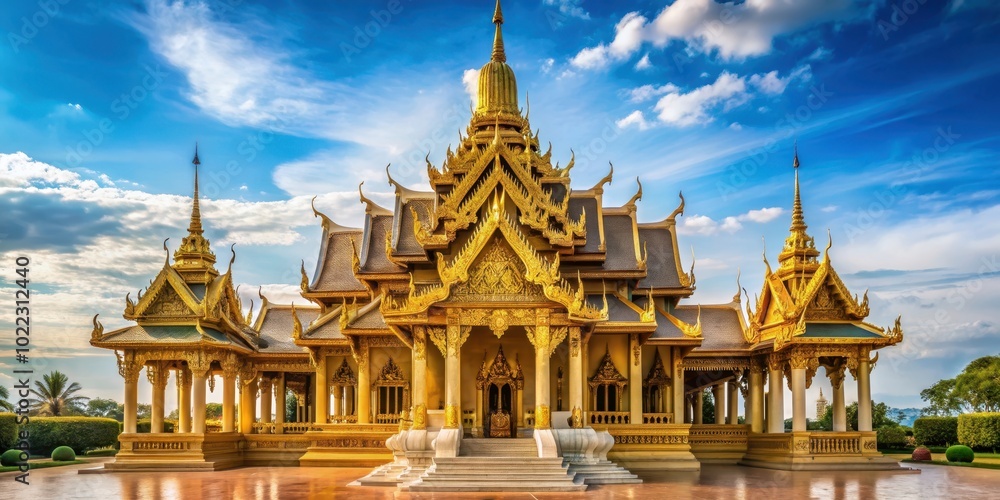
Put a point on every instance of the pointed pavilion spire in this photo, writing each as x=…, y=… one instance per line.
x=799, y=254
x=195, y=226
x=798, y=219
x=498, y=53
x=497, y=85
x=194, y=259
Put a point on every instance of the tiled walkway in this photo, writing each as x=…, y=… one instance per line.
x=723, y=482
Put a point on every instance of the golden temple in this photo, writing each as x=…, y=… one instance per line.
x=440, y=335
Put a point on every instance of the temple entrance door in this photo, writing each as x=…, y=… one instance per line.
x=501, y=385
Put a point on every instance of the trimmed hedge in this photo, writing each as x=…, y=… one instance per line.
x=960, y=453
x=11, y=458
x=79, y=433
x=63, y=454
x=979, y=430
x=935, y=431
x=8, y=431
x=891, y=437
x=145, y=425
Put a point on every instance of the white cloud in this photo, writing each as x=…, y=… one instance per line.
x=634, y=118
x=685, y=109
x=92, y=272
x=643, y=63
x=647, y=92
x=820, y=54
x=244, y=72
x=470, y=80
x=771, y=83
x=75, y=107
x=735, y=126
x=571, y=8
x=829, y=208
x=734, y=31
x=546, y=66
x=628, y=39
x=706, y=226
x=763, y=215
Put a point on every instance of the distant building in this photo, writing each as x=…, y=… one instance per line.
x=821, y=405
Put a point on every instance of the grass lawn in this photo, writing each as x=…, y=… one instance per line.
x=42, y=465
x=992, y=464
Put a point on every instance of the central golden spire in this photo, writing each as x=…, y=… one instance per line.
x=194, y=259
x=800, y=251
x=498, y=54
x=497, y=85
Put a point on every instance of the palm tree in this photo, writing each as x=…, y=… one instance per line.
x=55, y=395
x=4, y=404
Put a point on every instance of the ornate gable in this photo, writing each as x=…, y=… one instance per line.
x=607, y=373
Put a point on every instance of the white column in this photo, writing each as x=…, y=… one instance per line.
x=157, y=375
x=576, y=375
x=229, y=401
x=131, y=398
x=732, y=402
x=184, y=399
x=419, y=393
x=756, y=414
x=364, y=390
x=322, y=389
x=719, y=395
x=775, y=402
x=281, y=404
x=699, y=401
x=635, y=380
x=798, y=399
x=198, y=379
x=864, y=394
x=266, y=397
x=836, y=375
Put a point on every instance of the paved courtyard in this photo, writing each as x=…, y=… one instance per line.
x=728, y=482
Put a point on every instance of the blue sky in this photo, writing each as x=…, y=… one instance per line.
x=892, y=104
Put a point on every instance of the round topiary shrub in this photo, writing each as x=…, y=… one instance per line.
x=959, y=453
x=11, y=458
x=66, y=454
x=921, y=454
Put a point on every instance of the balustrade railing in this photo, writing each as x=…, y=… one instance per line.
x=834, y=445
x=657, y=418
x=609, y=417
x=387, y=418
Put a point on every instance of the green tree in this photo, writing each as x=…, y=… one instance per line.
x=975, y=389
x=707, y=407
x=107, y=408
x=291, y=405
x=56, y=396
x=978, y=386
x=4, y=404
x=213, y=411
x=142, y=411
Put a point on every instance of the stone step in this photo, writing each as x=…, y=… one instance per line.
x=522, y=447
x=490, y=462
x=485, y=486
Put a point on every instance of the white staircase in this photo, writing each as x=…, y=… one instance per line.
x=498, y=465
